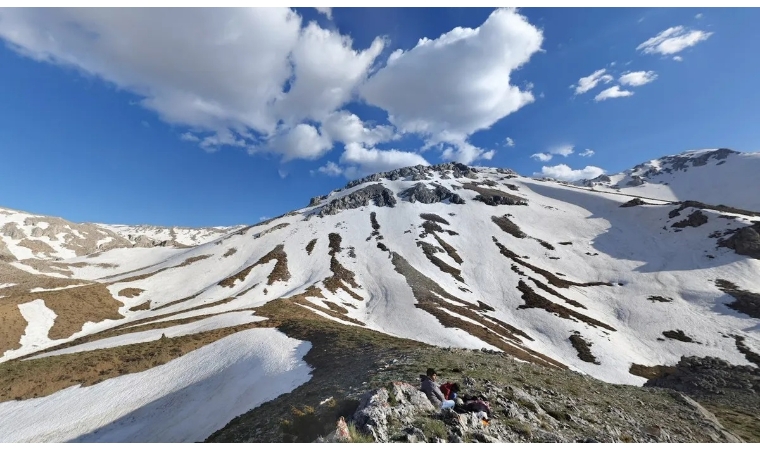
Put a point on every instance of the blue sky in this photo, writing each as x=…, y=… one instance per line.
x=229, y=116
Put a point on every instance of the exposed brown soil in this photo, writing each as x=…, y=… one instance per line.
x=583, y=347
x=36, y=246
x=182, y=300
x=342, y=278
x=545, y=244
x=494, y=197
x=534, y=300
x=678, y=335
x=751, y=356
x=141, y=307
x=310, y=246
x=434, y=218
x=550, y=277
x=430, y=251
x=12, y=327
x=546, y=288
x=651, y=372
x=229, y=252
x=508, y=226
x=279, y=272
x=130, y=292
x=489, y=330
x=451, y=251
x=184, y=263
x=745, y=301
x=333, y=309
x=24, y=379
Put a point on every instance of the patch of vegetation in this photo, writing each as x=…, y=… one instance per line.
x=230, y=251
x=744, y=301
x=432, y=428
x=566, y=243
x=583, y=347
x=678, y=335
x=434, y=218
x=310, y=246
x=130, y=292
x=658, y=298
x=534, y=300
x=508, y=226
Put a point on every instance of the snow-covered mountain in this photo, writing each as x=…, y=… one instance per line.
x=560, y=275
x=712, y=176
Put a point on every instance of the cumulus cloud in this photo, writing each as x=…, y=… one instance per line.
x=509, y=142
x=585, y=84
x=563, y=150
x=673, y=40
x=450, y=87
x=331, y=169
x=677, y=58
x=263, y=80
x=363, y=161
x=301, y=142
x=587, y=153
x=346, y=127
x=327, y=11
x=543, y=157
x=637, y=78
x=563, y=172
x=613, y=92
x=230, y=74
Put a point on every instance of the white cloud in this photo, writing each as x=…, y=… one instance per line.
x=585, y=84
x=190, y=137
x=637, y=78
x=698, y=16
x=231, y=73
x=564, y=150
x=447, y=88
x=346, y=127
x=543, y=157
x=613, y=92
x=509, y=142
x=466, y=153
x=587, y=153
x=331, y=169
x=363, y=161
x=301, y=142
x=327, y=11
x=673, y=40
x=565, y=173
x=677, y=58
x=282, y=173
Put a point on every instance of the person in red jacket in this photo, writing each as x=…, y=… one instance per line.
x=450, y=390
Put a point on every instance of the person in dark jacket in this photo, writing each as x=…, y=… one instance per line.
x=430, y=388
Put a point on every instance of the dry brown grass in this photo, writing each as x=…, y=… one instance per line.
x=451, y=251
x=583, y=347
x=12, y=326
x=342, y=278
x=430, y=251
x=230, y=252
x=36, y=246
x=130, y=292
x=508, y=226
x=279, y=272
x=23, y=379
x=141, y=307
x=550, y=277
x=310, y=246
x=333, y=309
x=184, y=263
x=534, y=300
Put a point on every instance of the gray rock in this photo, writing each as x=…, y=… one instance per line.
x=745, y=241
x=316, y=200
x=420, y=193
x=376, y=193
x=403, y=403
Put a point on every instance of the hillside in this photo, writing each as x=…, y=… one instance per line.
x=599, y=283
x=713, y=176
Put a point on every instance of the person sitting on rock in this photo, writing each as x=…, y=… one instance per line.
x=450, y=390
x=478, y=404
x=433, y=392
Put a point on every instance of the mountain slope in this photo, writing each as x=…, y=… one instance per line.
x=713, y=176
x=449, y=255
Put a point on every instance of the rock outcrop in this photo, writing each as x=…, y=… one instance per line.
x=375, y=193
x=420, y=193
